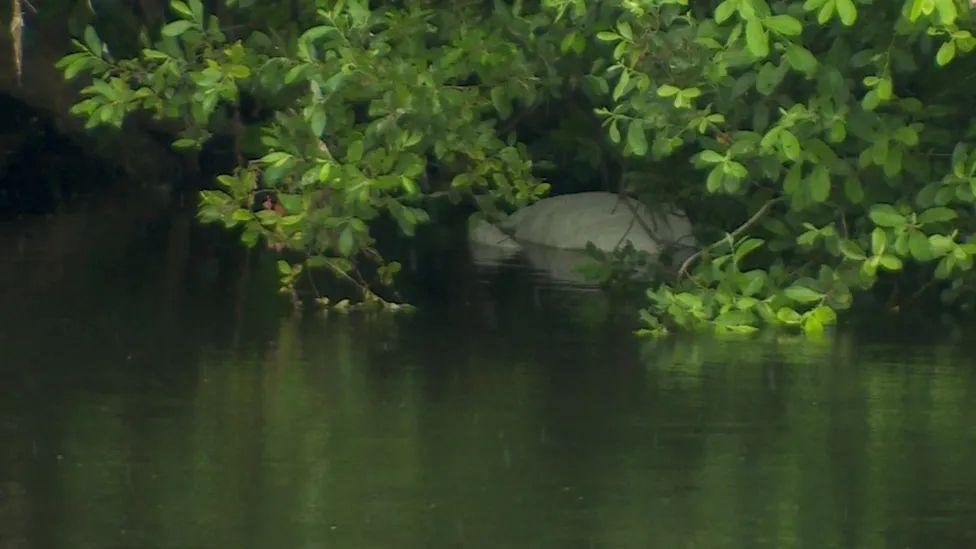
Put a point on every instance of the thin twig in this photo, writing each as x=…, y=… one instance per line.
x=912, y=298
x=311, y=280
x=683, y=271
x=361, y=284
x=627, y=232
x=640, y=221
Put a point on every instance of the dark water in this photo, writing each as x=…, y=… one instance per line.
x=154, y=393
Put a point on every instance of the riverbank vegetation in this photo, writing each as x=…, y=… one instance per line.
x=823, y=148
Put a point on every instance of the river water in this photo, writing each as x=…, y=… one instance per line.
x=155, y=392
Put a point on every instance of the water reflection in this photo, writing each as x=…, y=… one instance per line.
x=188, y=409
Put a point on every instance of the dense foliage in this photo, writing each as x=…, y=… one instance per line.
x=828, y=141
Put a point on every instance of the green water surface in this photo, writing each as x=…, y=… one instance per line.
x=154, y=393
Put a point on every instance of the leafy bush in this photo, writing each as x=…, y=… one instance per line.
x=830, y=140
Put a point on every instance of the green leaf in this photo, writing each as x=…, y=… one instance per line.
x=747, y=247
x=316, y=33
x=937, y=215
x=607, y=36
x=819, y=184
x=791, y=183
x=346, y=242
x=185, y=144
x=181, y=9
x=891, y=263
x=916, y=9
x=947, y=11
x=296, y=72
x=920, y=246
x=325, y=171
x=355, y=151
x=768, y=78
x=826, y=12
x=756, y=38
x=812, y=325
x=946, y=53
x=77, y=66
x=155, y=54
x=92, y=41
x=788, y=316
x=838, y=132
x=941, y=244
x=791, y=148
x=291, y=220
x=622, y=85
x=824, y=314
x=317, y=261
x=906, y=135
x=714, y=180
x=802, y=294
x=409, y=186
x=667, y=90
x=238, y=72
x=276, y=158
x=885, y=215
x=267, y=217
x=341, y=264
x=801, y=59
x=901, y=244
x=291, y=202
x=851, y=250
x=317, y=123
x=736, y=170
x=808, y=238
x=884, y=89
x=753, y=282
x=847, y=11
x=569, y=42
x=636, y=138
x=176, y=28
x=71, y=58
x=250, y=236
x=853, y=190
x=725, y=10
x=783, y=24
x=499, y=99
x=870, y=101
x=625, y=30
x=879, y=240
x=712, y=157
x=944, y=269
x=196, y=6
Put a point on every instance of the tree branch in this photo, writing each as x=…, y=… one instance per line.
x=640, y=221
x=683, y=271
